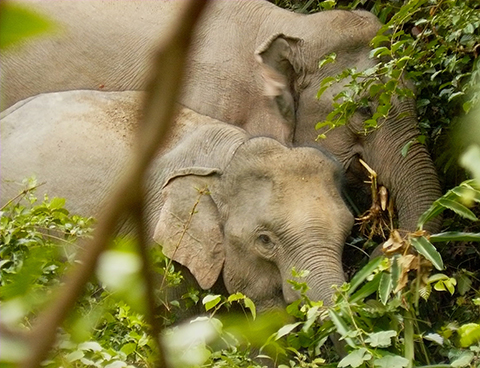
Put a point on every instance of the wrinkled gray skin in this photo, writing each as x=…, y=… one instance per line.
x=268, y=207
x=250, y=61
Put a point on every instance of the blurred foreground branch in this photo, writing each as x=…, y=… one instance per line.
x=127, y=199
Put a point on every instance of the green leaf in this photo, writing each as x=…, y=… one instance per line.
x=385, y=287
x=435, y=337
x=74, y=356
x=211, y=301
x=57, y=203
x=129, y=348
x=18, y=23
x=355, y=358
x=366, y=290
x=312, y=316
x=469, y=334
x=341, y=326
x=251, y=305
x=463, y=360
x=391, y=361
x=285, y=330
x=90, y=345
x=454, y=236
x=366, y=271
x=235, y=297
x=426, y=249
x=406, y=147
x=458, y=208
x=382, y=339
x=379, y=51
x=434, y=210
x=330, y=58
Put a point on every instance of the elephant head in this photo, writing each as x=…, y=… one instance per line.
x=289, y=66
x=248, y=210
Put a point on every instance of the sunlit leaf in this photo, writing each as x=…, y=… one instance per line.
x=382, y=339
x=285, y=330
x=469, y=334
x=235, y=297
x=251, y=305
x=355, y=358
x=210, y=301
x=435, y=337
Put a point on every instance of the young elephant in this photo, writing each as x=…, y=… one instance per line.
x=261, y=208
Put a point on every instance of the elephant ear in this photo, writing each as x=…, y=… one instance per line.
x=189, y=224
x=281, y=64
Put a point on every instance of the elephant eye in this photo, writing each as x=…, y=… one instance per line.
x=264, y=239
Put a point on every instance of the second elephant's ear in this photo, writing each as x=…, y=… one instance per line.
x=280, y=61
x=189, y=226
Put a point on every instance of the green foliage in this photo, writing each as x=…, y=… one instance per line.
x=434, y=44
x=18, y=23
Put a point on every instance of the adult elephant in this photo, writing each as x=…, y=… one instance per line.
x=253, y=64
x=260, y=208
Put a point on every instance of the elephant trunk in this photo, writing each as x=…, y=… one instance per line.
x=324, y=271
x=411, y=179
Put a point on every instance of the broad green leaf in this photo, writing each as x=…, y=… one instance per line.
x=426, y=249
x=129, y=348
x=385, y=287
x=74, y=356
x=56, y=203
x=454, y=236
x=463, y=360
x=250, y=305
x=469, y=334
x=366, y=271
x=355, y=358
x=382, y=339
x=90, y=345
x=391, y=361
x=285, y=330
x=458, y=208
x=341, y=326
x=435, y=337
x=211, y=301
x=18, y=23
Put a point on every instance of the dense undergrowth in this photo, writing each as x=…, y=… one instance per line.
x=419, y=307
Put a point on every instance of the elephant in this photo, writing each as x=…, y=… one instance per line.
x=254, y=65
x=260, y=207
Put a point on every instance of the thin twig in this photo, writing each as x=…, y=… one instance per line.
x=21, y=194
